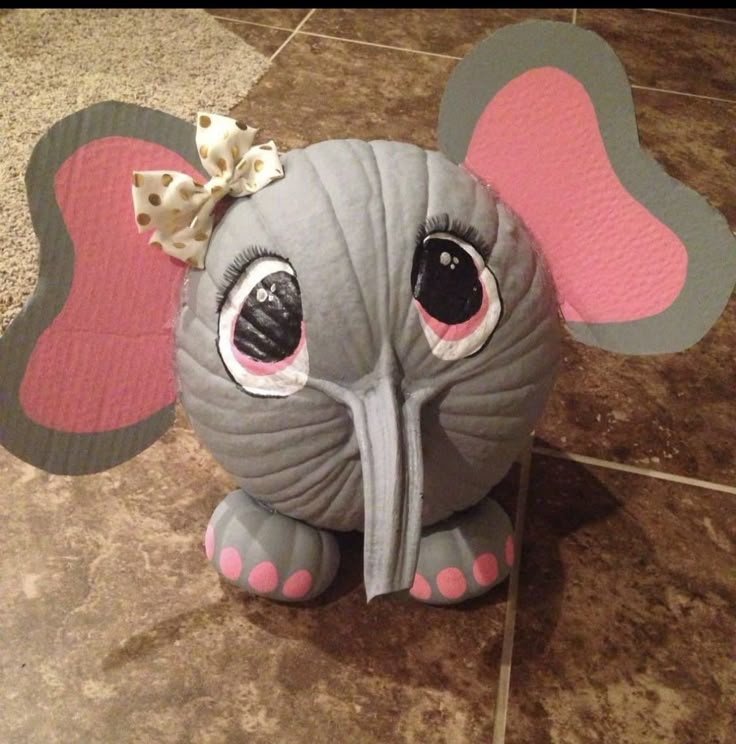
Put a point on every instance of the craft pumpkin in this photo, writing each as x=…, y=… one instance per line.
x=372, y=336
x=384, y=435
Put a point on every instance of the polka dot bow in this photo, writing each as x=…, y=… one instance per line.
x=180, y=209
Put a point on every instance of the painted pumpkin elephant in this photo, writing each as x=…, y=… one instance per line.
x=373, y=336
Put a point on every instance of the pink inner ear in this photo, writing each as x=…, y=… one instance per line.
x=538, y=145
x=106, y=361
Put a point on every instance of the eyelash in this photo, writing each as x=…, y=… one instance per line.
x=468, y=233
x=438, y=223
x=235, y=270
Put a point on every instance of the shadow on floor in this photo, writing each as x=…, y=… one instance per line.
x=399, y=639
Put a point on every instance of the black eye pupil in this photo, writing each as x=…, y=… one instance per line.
x=269, y=326
x=445, y=281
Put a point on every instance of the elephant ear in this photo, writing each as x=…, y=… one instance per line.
x=542, y=113
x=86, y=369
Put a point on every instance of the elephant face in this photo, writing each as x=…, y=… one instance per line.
x=355, y=392
x=350, y=236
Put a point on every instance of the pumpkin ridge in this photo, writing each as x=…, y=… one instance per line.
x=311, y=428
x=312, y=476
x=473, y=411
x=235, y=445
x=384, y=303
x=535, y=337
x=424, y=211
x=319, y=510
x=227, y=384
x=499, y=362
x=326, y=452
x=518, y=366
x=348, y=253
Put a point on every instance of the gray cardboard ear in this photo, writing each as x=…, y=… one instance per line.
x=54, y=450
x=711, y=249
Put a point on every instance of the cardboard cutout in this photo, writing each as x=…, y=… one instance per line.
x=543, y=113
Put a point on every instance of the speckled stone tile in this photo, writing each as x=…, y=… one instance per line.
x=115, y=628
x=627, y=611
x=265, y=40
x=321, y=89
x=670, y=52
x=694, y=140
x=672, y=412
x=282, y=17
x=442, y=31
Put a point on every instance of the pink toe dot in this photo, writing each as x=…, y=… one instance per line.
x=509, y=551
x=485, y=569
x=420, y=589
x=297, y=585
x=230, y=563
x=451, y=583
x=209, y=542
x=264, y=577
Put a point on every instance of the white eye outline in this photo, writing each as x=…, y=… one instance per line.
x=263, y=379
x=461, y=340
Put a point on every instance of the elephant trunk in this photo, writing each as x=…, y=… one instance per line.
x=388, y=432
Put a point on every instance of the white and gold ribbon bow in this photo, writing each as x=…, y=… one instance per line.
x=180, y=209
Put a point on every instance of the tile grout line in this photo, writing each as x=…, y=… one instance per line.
x=292, y=34
x=690, y=15
x=634, y=470
x=297, y=30
x=452, y=56
x=336, y=38
x=380, y=46
x=504, y=677
x=681, y=93
x=574, y=18
x=250, y=23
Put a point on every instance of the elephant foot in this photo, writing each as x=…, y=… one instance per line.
x=267, y=553
x=464, y=556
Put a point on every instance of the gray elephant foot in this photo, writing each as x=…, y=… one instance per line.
x=269, y=554
x=464, y=556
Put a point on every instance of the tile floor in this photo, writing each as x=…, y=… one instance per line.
x=625, y=606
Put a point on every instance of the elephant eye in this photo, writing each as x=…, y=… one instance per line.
x=261, y=337
x=455, y=292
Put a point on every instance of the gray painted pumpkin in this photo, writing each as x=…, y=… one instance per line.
x=350, y=234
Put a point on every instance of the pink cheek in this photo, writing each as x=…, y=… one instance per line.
x=458, y=331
